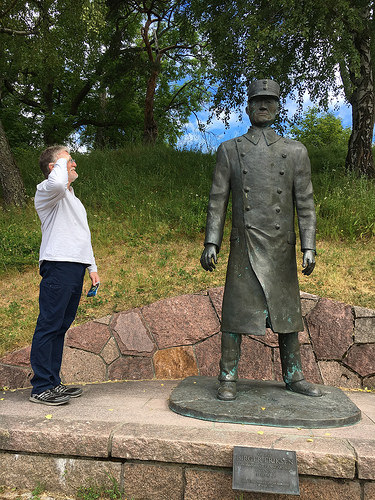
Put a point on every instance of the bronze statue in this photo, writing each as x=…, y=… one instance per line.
x=270, y=179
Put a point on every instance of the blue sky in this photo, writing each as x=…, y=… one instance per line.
x=217, y=133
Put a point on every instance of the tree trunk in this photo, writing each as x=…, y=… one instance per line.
x=359, y=158
x=150, y=131
x=10, y=176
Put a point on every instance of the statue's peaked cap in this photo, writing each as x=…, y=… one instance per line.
x=263, y=87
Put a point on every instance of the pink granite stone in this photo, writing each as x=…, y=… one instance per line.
x=131, y=368
x=61, y=477
x=363, y=312
x=90, y=337
x=110, y=351
x=365, y=449
x=369, y=491
x=55, y=436
x=270, y=338
x=364, y=331
x=277, y=371
x=304, y=337
x=369, y=382
x=216, y=296
x=320, y=456
x=208, y=355
x=105, y=320
x=361, y=358
x=334, y=373
x=203, y=483
x=309, y=365
x=182, y=320
x=331, y=325
x=82, y=366
x=18, y=358
x=131, y=334
x=13, y=376
x=153, y=481
x=308, y=303
x=256, y=360
x=175, y=363
x=309, y=296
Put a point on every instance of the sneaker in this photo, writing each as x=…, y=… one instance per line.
x=49, y=397
x=73, y=392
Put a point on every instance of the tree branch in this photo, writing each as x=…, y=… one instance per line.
x=22, y=98
x=10, y=31
x=11, y=6
x=169, y=105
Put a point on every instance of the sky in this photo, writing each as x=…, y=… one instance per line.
x=217, y=133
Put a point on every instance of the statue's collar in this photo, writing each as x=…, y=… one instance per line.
x=254, y=133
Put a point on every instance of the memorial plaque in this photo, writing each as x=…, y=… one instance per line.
x=264, y=470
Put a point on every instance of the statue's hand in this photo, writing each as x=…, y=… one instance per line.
x=308, y=263
x=209, y=257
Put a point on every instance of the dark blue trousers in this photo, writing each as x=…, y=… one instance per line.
x=60, y=292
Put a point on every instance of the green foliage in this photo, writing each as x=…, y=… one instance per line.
x=303, y=46
x=300, y=44
x=84, y=67
x=161, y=193
x=37, y=491
x=325, y=138
x=94, y=491
x=320, y=129
x=345, y=205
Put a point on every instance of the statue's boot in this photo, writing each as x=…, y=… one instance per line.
x=230, y=355
x=292, y=367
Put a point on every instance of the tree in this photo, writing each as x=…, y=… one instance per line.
x=304, y=45
x=170, y=57
x=57, y=77
x=10, y=177
x=320, y=130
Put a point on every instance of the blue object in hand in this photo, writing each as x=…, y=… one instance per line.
x=93, y=290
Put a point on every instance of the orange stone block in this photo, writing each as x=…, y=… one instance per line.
x=175, y=363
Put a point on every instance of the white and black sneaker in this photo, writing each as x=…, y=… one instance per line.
x=49, y=397
x=63, y=390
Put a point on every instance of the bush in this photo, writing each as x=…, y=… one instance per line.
x=324, y=137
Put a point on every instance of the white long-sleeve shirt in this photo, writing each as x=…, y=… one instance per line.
x=65, y=231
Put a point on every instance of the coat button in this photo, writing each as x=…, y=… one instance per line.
x=247, y=208
x=282, y=172
x=242, y=154
x=277, y=226
x=248, y=226
x=278, y=210
x=279, y=190
x=244, y=171
x=246, y=189
x=284, y=155
x=239, y=139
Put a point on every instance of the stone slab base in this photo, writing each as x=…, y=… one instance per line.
x=64, y=477
x=125, y=434
x=263, y=403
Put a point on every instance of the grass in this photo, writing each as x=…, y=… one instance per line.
x=147, y=211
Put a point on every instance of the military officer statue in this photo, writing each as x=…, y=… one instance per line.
x=270, y=180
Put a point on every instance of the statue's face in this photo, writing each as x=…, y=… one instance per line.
x=262, y=110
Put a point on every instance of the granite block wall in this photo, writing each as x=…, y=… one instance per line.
x=180, y=336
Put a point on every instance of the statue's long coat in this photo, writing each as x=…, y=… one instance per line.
x=270, y=179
